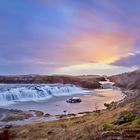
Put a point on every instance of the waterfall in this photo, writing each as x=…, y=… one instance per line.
x=33, y=92
x=106, y=84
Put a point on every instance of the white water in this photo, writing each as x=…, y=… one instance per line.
x=106, y=84
x=10, y=93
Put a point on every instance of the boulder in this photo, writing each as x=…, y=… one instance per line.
x=74, y=100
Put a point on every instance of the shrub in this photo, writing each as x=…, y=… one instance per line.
x=109, y=105
x=107, y=126
x=129, y=117
x=136, y=122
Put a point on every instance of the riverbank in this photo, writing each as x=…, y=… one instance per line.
x=97, y=125
x=85, y=81
x=57, y=108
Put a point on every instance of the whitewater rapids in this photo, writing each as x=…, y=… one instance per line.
x=10, y=93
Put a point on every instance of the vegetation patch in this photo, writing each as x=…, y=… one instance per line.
x=108, y=126
x=136, y=122
x=129, y=117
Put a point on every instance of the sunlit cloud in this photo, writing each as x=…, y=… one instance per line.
x=69, y=36
x=100, y=47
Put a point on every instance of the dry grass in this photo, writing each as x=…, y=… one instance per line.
x=86, y=127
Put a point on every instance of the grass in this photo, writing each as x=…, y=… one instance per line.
x=135, y=123
x=129, y=117
x=108, y=126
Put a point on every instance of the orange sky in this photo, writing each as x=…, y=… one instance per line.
x=98, y=47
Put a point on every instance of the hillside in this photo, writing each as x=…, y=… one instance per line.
x=129, y=80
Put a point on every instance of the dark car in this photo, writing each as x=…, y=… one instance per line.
x=74, y=100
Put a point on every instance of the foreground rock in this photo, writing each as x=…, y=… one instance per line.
x=14, y=115
x=8, y=115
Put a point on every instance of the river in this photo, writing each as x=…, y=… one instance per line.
x=55, y=103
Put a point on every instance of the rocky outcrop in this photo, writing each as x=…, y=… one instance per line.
x=8, y=115
x=129, y=80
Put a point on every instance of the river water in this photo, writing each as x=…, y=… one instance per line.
x=52, y=98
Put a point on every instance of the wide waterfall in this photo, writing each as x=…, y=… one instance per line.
x=33, y=92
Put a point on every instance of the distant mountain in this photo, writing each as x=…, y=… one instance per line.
x=130, y=80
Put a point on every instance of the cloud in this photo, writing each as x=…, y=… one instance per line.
x=133, y=59
x=43, y=36
x=99, y=47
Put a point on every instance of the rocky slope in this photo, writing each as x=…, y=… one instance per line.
x=129, y=80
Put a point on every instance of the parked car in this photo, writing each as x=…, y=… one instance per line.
x=74, y=100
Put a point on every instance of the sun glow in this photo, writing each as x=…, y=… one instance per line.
x=99, y=47
x=108, y=60
x=90, y=68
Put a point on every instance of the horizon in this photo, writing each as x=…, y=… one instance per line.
x=69, y=37
x=68, y=74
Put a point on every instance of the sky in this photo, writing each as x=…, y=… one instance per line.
x=69, y=36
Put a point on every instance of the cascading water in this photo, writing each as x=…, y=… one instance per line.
x=33, y=92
